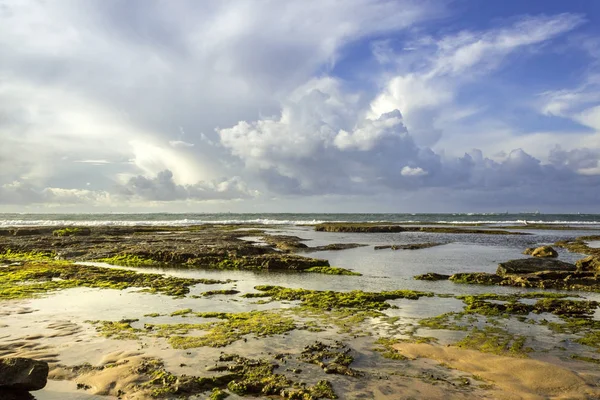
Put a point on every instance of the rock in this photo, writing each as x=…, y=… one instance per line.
x=590, y=263
x=480, y=278
x=531, y=265
x=336, y=246
x=23, y=374
x=412, y=246
x=388, y=246
x=542, y=252
x=14, y=394
x=432, y=276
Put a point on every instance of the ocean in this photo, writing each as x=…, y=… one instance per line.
x=180, y=219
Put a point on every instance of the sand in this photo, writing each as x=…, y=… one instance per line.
x=513, y=378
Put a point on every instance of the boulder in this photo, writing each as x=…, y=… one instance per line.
x=542, y=252
x=23, y=374
x=531, y=265
x=590, y=263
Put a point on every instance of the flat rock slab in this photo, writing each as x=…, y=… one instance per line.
x=23, y=374
x=531, y=265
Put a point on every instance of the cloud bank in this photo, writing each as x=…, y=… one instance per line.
x=247, y=105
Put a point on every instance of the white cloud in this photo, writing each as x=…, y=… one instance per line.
x=180, y=143
x=428, y=81
x=162, y=187
x=92, y=97
x=410, y=171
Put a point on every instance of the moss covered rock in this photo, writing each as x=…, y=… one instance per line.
x=542, y=252
x=590, y=263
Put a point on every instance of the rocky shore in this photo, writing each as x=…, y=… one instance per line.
x=200, y=247
x=197, y=330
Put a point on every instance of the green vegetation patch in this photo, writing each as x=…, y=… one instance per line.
x=221, y=291
x=242, y=376
x=586, y=359
x=33, y=279
x=332, y=271
x=119, y=330
x=479, y=278
x=591, y=338
x=72, y=231
x=496, y=341
x=449, y=321
x=231, y=328
x=332, y=358
x=330, y=300
x=183, y=312
x=386, y=348
x=129, y=260
x=30, y=256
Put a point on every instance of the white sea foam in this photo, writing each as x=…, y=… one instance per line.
x=180, y=222
x=264, y=221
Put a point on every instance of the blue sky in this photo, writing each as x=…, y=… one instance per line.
x=240, y=105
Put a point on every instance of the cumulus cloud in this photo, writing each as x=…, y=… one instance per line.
x=305, y=151
x=23, y=193
x=162, y=187
x=427, y=83
x=412, y=171
x=137, y=189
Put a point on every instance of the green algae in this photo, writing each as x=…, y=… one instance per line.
x=330, y=300
x=591, y=339
x=386, y=348
x=185, y=311
x=34, y=279
x=129, y=260
x=448, y=321
x=30, y=256
x=476, y=305
x=586, y=359
x=573, y=325
x=118, y=330
x=220, y=291
x=479, y=278
x=495, y=340
x=72, y=231
x=332, y=358
x=507, y=305
x=152, y=315
x=231, y=328
x=257, y=377
x=218, y=394
x=332, y=271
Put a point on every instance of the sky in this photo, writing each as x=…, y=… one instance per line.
x=299, y=106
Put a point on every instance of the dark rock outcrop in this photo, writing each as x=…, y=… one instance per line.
x=533, y=265
x=411, y=246
x=23, y=374
x=432, y=276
